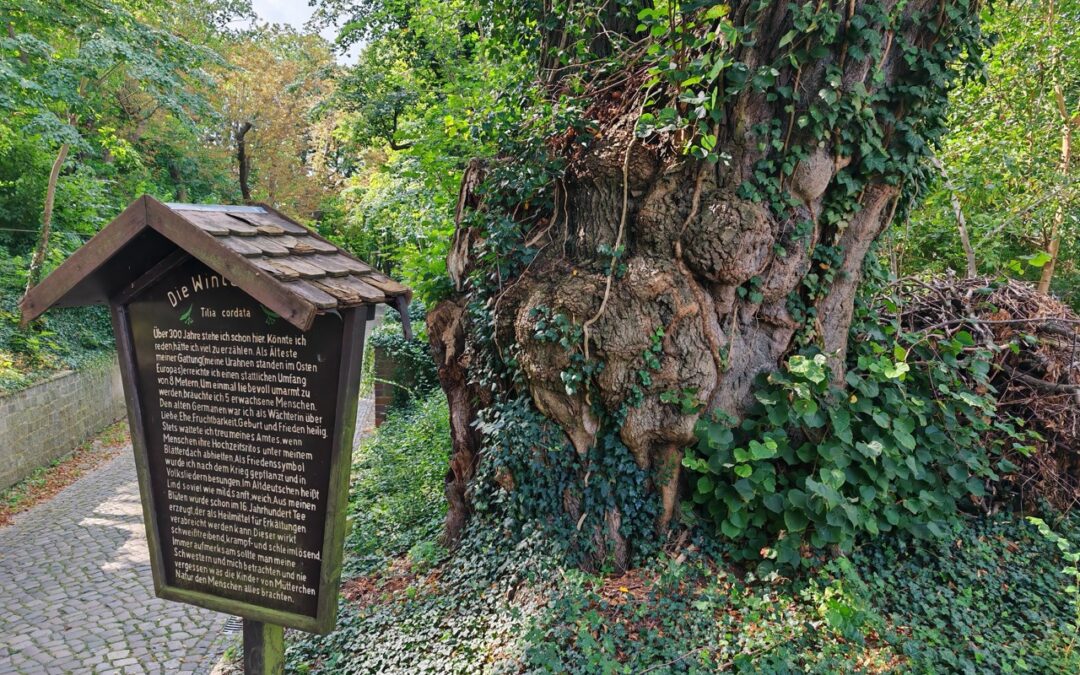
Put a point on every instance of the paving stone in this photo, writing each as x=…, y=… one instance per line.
x=77, y=590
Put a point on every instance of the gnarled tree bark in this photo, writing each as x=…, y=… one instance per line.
x=691, y=242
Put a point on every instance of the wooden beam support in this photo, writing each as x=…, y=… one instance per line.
x=264, y=648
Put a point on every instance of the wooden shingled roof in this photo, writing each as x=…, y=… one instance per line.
x=279, y=262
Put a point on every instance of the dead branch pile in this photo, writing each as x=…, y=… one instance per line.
x=1035, y=370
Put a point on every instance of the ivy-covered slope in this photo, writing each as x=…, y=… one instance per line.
x=67, y=338
x=989, y=597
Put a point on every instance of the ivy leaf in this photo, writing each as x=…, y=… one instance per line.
x=841, y=423
x=774, y=502
x=805, y=406
x=745, y=489
x=902, y=431
x=705, y=485
x=766, y=450
x=795, y=520
x=730, y=530
x=896, y=370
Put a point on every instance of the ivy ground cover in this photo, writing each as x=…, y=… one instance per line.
x=988, y=596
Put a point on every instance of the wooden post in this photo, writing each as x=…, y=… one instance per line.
x=264, y=648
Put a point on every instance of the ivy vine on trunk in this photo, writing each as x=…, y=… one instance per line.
x=687, y=197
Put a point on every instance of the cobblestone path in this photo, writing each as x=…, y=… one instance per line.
x=76, y=595
x=76, y=592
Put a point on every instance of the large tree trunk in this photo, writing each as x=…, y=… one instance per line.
x=712, y=272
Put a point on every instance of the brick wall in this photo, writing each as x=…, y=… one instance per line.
x=50, y=419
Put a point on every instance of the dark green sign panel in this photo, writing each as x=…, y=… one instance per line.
x=246, y=428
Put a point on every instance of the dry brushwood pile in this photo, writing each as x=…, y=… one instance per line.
x=1036, y=368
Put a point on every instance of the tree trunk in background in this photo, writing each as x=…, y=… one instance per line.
x=961, y=222
x=178, y=181
x=38, y=261
x=694, y=247
x=242, y=161
x=447, y=339
x=24, y=58
x=1067, y=124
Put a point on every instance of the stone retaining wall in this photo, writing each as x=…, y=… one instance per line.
x=50, y=419
x=384, y=378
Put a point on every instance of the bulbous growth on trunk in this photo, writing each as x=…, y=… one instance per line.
x=700, y=267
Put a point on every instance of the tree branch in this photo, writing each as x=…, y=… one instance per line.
x=395, y=145
x=242, y=160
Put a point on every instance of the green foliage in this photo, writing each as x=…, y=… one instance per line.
x=685, y=57
x=1071, y=555
x=470, y=620
x=694, y=617
x=988, y=599
x=61, y=57
x=425, y=555
x=414, y=376
x=65, y=338
x=399, y=221
x=548, y=473
x=24, y=169
x=695, y=70
x=103, y=78
x=904, y=445
x=1003, y=163
x=415, y=109
x=396, y=499
x=558, y=329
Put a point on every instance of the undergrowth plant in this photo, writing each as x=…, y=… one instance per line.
x=1070, y=553
x=903, y=442
x=68, y=338
x=414, y=375
x=988, y=599
x=395, y=500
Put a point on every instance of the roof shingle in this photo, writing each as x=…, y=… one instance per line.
x=272, y=257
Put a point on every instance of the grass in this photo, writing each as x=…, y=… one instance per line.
x=46, y=481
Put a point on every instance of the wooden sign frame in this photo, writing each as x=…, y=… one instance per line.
x=296, y=275
x=348, y=382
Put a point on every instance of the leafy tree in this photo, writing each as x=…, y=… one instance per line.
x=1010, y=175
x=269, y=96
x=63, y=62
x=683, y=197
x=423, y=81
